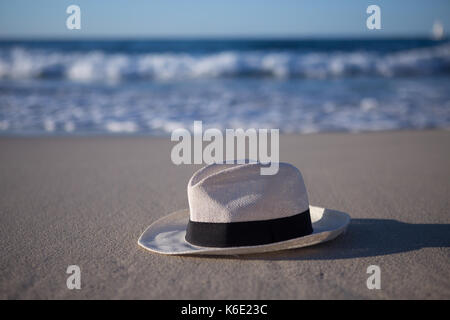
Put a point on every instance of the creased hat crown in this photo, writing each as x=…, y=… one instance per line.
x=223, y=193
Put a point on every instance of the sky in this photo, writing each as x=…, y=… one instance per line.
x=213, y=18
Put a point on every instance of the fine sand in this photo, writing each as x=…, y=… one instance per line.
x=85, y=201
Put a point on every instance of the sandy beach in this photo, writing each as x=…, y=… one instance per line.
x=85, y=200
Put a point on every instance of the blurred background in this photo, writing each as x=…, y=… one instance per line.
x=148, y=67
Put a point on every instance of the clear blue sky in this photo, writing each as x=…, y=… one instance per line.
x=193, y=18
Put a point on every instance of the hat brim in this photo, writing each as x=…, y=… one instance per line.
x=167, y=235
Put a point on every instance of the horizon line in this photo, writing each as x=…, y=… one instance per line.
x=218, y=37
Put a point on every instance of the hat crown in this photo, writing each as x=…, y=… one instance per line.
x=223, y=193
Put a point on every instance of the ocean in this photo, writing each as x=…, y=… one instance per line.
x=152, y=87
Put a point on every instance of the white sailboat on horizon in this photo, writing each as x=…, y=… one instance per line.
x=438, y=30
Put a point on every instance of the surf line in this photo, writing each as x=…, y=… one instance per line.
x=259, y=148
x=209, y=311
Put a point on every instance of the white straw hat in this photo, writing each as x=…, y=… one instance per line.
x=233, y=209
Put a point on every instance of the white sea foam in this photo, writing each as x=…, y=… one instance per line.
x=49, y=125
x=71, y=92
x=296, y=105
x=97, y=65
x=121, y=126
x=4, y=125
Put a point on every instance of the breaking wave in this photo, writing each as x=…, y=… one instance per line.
x=97, y=65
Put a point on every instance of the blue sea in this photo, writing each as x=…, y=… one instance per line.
x=155, y=86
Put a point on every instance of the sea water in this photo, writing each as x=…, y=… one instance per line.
x=155, y=86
